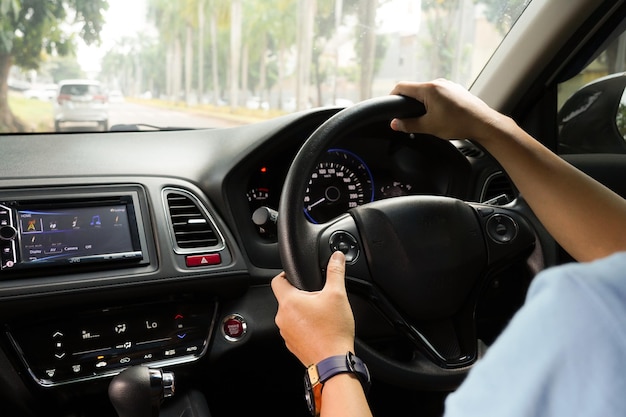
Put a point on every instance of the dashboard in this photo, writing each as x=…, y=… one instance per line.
x=142, y=248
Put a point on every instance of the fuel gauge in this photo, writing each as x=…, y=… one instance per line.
x=258, y=197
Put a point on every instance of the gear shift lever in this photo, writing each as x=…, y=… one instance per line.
x=138, y=391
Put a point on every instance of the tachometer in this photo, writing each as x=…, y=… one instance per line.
x=340, y=181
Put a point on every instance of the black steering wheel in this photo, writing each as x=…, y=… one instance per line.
x=420, y=260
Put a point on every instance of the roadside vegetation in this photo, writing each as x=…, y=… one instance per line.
x=36, y=115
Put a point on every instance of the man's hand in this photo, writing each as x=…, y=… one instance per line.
x=316, y=325
x=452, y=112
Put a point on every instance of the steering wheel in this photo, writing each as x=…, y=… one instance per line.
x=420, y=260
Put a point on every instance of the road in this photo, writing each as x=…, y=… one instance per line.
x=132, y=113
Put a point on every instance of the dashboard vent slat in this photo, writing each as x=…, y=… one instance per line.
x=471, y=151
x=191, y=227
x=498, y=190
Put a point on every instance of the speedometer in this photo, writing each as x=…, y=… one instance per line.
x=339, y=182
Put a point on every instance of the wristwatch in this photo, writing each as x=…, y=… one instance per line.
x=317, y=374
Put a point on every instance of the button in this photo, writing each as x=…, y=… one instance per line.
x=501, y=228
x=346, y=243
x=7, y=232
x=234, y=327
x=203, y=260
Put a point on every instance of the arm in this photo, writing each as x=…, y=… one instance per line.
x=317, y=325
x=586, y=218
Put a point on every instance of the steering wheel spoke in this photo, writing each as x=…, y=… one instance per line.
x=508, y=235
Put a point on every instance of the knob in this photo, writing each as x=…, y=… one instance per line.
x=7, y=232
x=265, y=218
x=138, y=391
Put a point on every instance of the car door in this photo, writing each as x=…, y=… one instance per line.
x=577, y=107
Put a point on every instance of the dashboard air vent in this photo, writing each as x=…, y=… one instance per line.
x=498, y=190
x=192, y=228
x=471, y=151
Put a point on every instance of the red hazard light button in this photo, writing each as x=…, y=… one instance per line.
x=203, y=260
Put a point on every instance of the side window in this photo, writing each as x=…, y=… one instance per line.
x=592, y=105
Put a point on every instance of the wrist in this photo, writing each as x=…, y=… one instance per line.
x=318, y=374
x=494, y=129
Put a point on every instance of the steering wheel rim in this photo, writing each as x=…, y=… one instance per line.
x=304, y=250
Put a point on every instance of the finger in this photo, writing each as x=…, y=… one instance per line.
x=280, y=284
x=336, y=270
x=410, y=89
x=413, y=125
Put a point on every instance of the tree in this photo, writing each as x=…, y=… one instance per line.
x=305, y=20
x=503, y=13
x=29, y=27
x=283, y=36
x=367, y=17
x=62, y=68
x=236, y=29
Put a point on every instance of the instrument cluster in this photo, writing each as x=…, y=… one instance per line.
x=355, y=172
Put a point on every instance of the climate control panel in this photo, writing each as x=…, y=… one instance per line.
x=99, y=343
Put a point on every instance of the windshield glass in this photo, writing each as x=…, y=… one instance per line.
x=82, y=65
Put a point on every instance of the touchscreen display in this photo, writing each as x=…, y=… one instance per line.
x=76, y=234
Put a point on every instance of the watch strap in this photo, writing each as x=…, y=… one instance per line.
x=348, y=363
x=317, y=374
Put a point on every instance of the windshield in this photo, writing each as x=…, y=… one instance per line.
x=119, y=65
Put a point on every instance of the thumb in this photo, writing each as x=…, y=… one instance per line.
x=336, y=270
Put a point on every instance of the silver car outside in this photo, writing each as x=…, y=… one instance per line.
x=79, y=102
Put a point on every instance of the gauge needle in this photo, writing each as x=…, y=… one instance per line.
x=321, y=200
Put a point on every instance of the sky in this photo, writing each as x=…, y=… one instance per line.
x=126, y=17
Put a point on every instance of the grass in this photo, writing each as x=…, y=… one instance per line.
x=240, y=114
x=37, y=115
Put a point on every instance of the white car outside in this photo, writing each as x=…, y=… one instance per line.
x=81, y=101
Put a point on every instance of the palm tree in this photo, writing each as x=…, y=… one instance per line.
x=236, y=27
x=166, y=17
x=367, y=17
x=304, y=38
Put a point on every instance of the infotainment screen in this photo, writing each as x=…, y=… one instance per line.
x=76, y=234
x=101, y=228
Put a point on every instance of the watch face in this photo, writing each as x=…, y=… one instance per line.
x=309, y=396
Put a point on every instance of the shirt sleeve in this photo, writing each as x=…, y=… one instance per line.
x=562, y=354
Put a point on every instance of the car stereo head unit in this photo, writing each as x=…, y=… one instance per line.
x=68, y=232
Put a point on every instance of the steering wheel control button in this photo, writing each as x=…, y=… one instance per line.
x=501, y=228
x=193, y=261
x=346, y=243
x=234, y=327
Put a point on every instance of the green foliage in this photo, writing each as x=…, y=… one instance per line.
x=503, y=14
x=29, y=27
x=37, y=114
x=62, y=68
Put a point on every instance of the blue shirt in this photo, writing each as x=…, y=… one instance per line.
x=563, y=353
